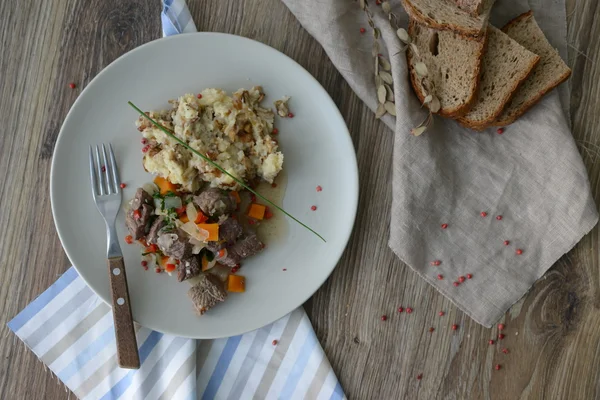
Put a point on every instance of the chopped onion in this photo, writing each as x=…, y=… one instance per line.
x=192, y=229
x=197, y=245
x=220, y=271
x=191, y=212
x=150, y=188
x=172, y=202
x=158, y=204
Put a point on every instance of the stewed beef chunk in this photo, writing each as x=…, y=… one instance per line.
x=215, y=202
x=207, y=293
x=141, y=197
x=138, y=217
x=188, y=268
x=138, y=220
x=246, y=247
x=175, y=244
x=155, y=228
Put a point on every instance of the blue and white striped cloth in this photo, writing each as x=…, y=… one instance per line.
x=71, y=330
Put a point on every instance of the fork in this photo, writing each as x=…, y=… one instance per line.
x=107, y=196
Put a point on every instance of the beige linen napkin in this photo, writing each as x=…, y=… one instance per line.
x=532, y=174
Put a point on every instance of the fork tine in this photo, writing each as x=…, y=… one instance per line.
x=107, y=179
x=115, y=171
x=93, y=174
x=99, y=166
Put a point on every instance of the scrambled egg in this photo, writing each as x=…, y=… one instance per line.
x=234, y=132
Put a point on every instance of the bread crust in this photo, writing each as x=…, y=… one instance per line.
x=533, y=101
x=492, y=119
x=471, y=34
x=452, y=112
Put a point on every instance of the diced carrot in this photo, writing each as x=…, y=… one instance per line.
x=201, y=218
x=151, y=249
x=236, y=195
x=257, y=211
x=143, y=242
x=170, y=267
x=180, y=211
x=204, y=263
x=164, y=260
x=236, y=284
x=184, y=218
x=128, y=239
x=221, y=253
x=165, y=186
x=212, y=229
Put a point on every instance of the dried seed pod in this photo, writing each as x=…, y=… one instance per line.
x=380, y=111
x=381, y=94
x=385, y=64
x=387, y=77
x=390, y=108
x=421, y=69
x=403, y=35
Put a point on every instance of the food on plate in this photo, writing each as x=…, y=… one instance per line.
x=195, y=221
x=234, y=132
x=549, y=73
x=204, y=234
x=506, y=64
x=282, y=107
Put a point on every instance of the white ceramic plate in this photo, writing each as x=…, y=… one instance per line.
x=317, y=148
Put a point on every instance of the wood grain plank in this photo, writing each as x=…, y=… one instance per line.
x=552, y=333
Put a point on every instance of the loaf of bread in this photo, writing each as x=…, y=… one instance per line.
x=446, y=15
x=506, y=64
x=550, y=72
x=453, y=64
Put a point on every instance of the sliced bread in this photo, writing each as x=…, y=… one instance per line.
x=453, y=64
x=550, y=72
x=446, y=15
x=506, y=64
x=473, y=7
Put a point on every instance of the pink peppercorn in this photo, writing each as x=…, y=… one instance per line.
x=444, y=226
x=441, y=313
x=314, y=208
x=505, y=351
x=274, y=342
x=461, y=279
x=440, y=277
x=501, y=336
x=469, y=276
x=500, y=131
x=491, y=341
x=483, y=214
x=400, y=309
x=498, y=367
x=454, y=327
x=409, y=310
x=500, y=327
x=319, y=189
x=72, y=85
x=362, y=30
x=431, y=329
x=384, y=317
x=519, y=252
x=456, y=283
x=499, y=217
x=199, y=95
x=290, y=115
x=506, y=242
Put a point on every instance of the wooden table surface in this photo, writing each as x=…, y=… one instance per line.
x=553, y=334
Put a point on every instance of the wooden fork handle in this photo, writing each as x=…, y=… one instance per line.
x=127, y=349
